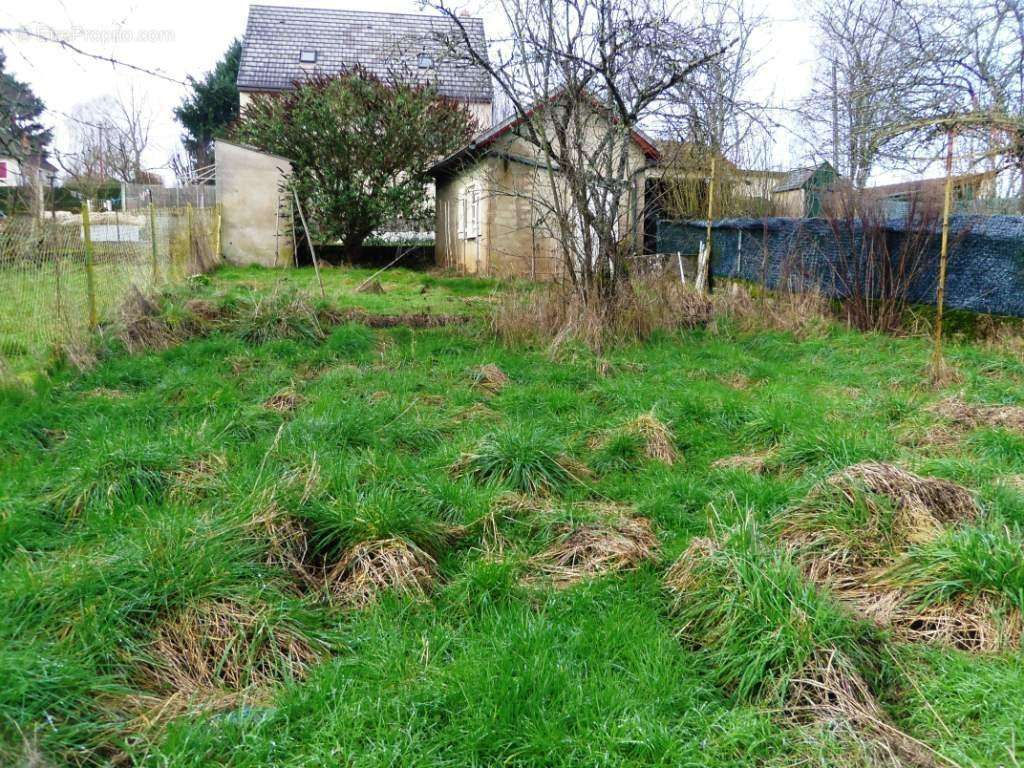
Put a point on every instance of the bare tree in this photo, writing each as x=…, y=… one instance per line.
x=876, y=72
x=130, y=124
x=581, y=76
x=109, y=138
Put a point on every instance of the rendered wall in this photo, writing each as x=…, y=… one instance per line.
x=256, y=211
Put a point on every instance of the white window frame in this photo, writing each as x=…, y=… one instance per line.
x=469, y=212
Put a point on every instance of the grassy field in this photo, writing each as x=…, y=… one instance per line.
x=194, y=541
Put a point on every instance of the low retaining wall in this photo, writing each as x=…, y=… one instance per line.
x=985, y=271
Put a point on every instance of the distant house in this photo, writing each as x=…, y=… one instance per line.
x=802, y=192
x=493, y=211
x=283, y=45
x=967, y=188
x=32, y=171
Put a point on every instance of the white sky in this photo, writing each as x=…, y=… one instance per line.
x=187, y=37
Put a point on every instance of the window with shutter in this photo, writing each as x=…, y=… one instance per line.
x=461, y=208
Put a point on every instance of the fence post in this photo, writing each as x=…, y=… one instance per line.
x=90, y=278
x=216, y=231
x=191, y=257
x=152, y=237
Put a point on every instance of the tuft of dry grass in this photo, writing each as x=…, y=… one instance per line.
x=853, y=560
x=804, y=314
x=490, y=377
x=223, y=645
x=829, y=694
x=372, y=286
x=285, y=401
x=841, y=534
x=556, y=314
x=653, y=438
x=943, y=500
x=970, y=416
x=592, y=549
x=657, y=437
x=194, y=479
x=372, y=567
x=754, y=463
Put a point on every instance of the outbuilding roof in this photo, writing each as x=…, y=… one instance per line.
x=284, y=44
x=798, y=178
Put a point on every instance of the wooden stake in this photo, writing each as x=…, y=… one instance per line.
x=152, y=236
x=90, y=277
x=940, y=290
x=309, y=239
x=705, y=281
x=191, y=257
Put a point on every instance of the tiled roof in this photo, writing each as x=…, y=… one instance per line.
x=385, y=44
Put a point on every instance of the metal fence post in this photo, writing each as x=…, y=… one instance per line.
x=153, y=245
x=90, y=277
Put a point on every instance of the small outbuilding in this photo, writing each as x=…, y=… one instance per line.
x=802, y=192
x=493, y=203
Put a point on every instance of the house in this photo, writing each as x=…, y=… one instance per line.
x=283, y=45
x=802, y=192
x=493, y=202
x=31, y=171
x=967, y=189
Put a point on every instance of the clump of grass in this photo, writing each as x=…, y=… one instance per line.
x=285, y=401
x=555, y=314
x=224, y=645
x=876, y=536
x=770, y=637
x=524, y=457
x=965, y=588
x=373, y=567
x=970, y=416
x=593, y=549
x=860, y=518
x=113, y=480
x=754, y=463
x=645, y=437
x=490, y=377
x=257, y=319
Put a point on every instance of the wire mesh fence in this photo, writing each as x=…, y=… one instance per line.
x=60, y=278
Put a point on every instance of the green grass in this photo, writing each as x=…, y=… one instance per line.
x=155, y=485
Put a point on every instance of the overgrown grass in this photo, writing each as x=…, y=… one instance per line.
x=191, y=577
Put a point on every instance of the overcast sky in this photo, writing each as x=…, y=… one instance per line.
x=187, y=37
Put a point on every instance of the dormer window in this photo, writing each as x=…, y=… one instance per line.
x=425, y=61
x=307, y=56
